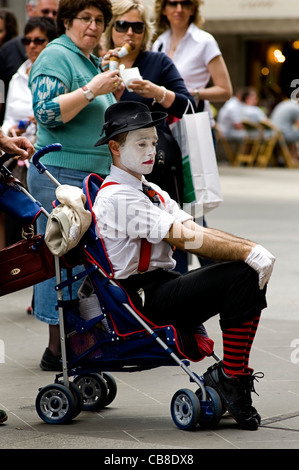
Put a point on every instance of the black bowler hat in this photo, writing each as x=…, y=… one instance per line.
x=128, y=116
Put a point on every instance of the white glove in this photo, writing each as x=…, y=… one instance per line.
x=262, y=261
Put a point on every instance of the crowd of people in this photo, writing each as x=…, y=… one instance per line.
x=62, y=91
x=245, y=106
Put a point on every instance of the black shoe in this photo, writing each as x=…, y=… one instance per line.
x=50, y=362
x=247, y=382
x=233, y=396
x=3, y=416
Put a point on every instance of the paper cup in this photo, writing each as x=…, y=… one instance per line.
x=129, y=75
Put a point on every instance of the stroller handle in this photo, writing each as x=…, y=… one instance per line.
x=5, y=157
x=40, y=153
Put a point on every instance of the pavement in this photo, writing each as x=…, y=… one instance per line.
x=260, y=204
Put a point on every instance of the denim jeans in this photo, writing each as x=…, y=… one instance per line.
x=42, y=189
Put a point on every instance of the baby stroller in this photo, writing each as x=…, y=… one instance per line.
x=101, y=331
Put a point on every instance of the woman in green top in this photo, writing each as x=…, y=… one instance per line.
x=70, y=96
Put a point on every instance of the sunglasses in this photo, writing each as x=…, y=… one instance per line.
x=47, y=12
x=184, y=4
x=36, y=41
x=123, y=26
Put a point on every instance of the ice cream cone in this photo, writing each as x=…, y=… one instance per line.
x=125, y=50
x=113, y=62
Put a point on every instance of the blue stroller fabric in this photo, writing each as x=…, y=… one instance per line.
x=14, y=202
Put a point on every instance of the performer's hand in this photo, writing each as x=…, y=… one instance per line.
x=262, y=261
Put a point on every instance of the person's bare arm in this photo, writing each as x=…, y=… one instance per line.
x=208, y=242
x=73, y=102
x=221, y=90
x=215, y=244
x=147, y=89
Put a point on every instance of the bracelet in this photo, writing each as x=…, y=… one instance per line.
x=163, y=97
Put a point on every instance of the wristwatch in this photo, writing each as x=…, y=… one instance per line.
x=89, y=95
x=196, y=94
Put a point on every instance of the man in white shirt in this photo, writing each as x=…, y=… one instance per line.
x=285, y=116
x=139, y=232
x=242, y=106
x=230, y=118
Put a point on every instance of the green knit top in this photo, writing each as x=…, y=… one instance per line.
x=62, y=68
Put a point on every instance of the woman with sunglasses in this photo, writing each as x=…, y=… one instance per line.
x=70, y=96
x=19, y=118
x=161, y=88
x=195, y=52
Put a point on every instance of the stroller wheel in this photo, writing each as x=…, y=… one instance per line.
x=111, y=386
x=94, y=391
x=55, y=404
x=211, y=410
x=185, y=409
x=78, y=407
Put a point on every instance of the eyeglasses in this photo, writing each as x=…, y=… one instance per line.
x=123, y=26
x=36, y=41
x=47, y=12
x=184, y=4
x=87, y=20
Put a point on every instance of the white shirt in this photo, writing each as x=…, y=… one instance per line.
x=125, y=215
x=285, y=116
x=229, y=115
x=253, y=113
x=19, y=102
x=233, y=112
x=192, y=56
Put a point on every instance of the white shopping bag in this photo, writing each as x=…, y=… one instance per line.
x=200, y=171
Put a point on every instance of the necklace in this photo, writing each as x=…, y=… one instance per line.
x=175, y=40
x=172, y=48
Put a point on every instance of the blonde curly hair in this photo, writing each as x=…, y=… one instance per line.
x=162, y=23
x=121, y=7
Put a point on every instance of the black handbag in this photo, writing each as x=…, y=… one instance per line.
x=168, y=171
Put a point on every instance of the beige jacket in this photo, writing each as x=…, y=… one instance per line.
x=68, y=221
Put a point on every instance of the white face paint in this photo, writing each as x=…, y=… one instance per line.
x=137, y=154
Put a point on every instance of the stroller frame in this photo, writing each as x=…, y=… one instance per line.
x=63, y=400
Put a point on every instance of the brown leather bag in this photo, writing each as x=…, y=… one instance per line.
x=24, y=264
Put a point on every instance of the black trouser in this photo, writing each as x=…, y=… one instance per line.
x=187, y=300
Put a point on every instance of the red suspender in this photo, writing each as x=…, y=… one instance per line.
x=145, y=255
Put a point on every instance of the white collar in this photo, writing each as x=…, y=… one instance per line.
x=22, y=70
x=124, y=177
